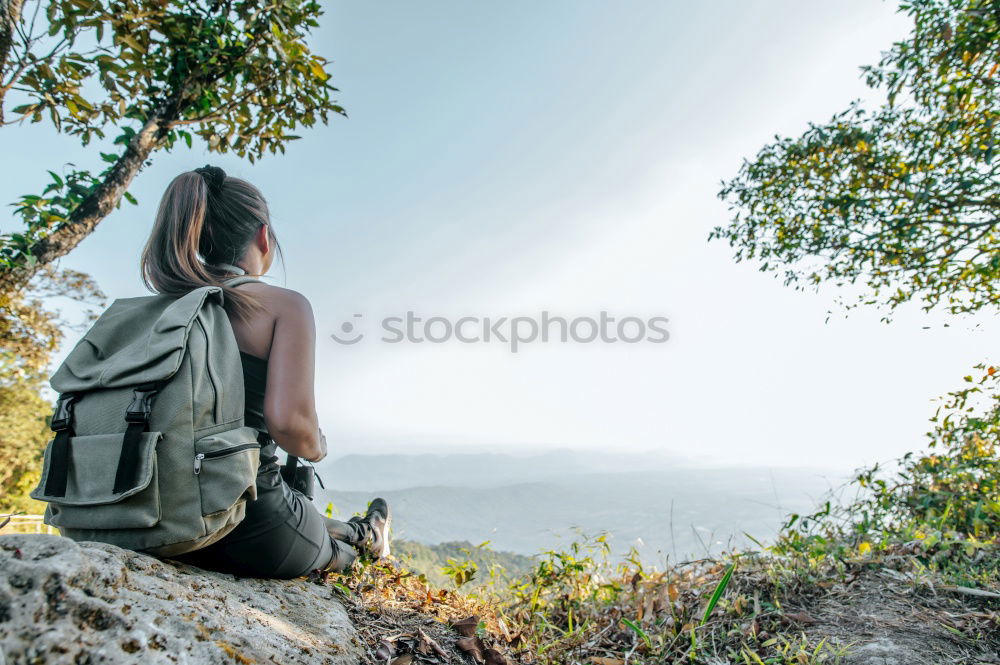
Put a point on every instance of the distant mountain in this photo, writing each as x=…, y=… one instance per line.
x=526, y=505
x=398, y=471
x=432, y=559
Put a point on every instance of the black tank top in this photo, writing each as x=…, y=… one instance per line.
x=254, y=386
x=270, y=507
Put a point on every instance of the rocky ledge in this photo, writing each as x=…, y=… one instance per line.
x=89, y=603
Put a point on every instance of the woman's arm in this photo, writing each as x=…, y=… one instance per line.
x=290, y=400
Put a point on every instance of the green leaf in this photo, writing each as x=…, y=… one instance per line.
x=638, y=631
x=133, y=43
x=720, y=589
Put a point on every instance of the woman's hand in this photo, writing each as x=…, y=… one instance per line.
x=322, y=447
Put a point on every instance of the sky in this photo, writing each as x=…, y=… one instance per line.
x=504, y=160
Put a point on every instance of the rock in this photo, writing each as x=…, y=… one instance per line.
x=89, y=603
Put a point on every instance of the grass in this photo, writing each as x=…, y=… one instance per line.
x=752, y=607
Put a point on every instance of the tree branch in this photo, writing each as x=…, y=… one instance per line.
x=102, y=200
x=10, y=16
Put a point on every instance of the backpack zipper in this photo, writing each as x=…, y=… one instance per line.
x=220, y=453
x=217, y=401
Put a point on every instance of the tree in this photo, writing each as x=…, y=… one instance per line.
x=238, y=75
x=903, y=200
x=32, y=332
x=10, y=13
x=130, y=77
x=23, y=433
x=27, y=340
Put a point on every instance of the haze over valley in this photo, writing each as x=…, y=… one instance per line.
x=664, y=506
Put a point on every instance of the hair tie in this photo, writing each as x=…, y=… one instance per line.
x=214, y=177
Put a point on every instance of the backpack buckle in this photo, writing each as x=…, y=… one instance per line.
x=63, y=413
x=141, y=406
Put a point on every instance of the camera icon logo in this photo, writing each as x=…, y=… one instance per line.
x=348, y=329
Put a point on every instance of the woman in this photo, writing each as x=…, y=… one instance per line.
x=210, y=229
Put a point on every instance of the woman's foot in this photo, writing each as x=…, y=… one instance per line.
x=378, y=519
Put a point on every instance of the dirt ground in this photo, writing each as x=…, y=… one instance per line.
x=885, y=618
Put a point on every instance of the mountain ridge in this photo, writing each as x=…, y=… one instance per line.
x=529, y=504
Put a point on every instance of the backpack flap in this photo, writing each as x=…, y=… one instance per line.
x=89, y=500
x=136, y=341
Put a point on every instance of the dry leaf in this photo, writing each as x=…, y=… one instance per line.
x=601, y=660
x=405, y=659
x=472, y=646
x=385, y=651
x=801, y=617
x=466, y=627
x=494, y=657
x=647, y=606
x=503, y=629
x=427, y=641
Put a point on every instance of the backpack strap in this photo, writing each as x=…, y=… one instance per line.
x=241, y=275
x=137, y=421
x=229, y=267
x=236, y=281
x=62, y=425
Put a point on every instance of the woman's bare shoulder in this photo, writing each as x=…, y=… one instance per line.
x=278, y=300
x=281, y=310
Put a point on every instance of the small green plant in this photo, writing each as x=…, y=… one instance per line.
x=794, y=650
x=941, y=506
x=461, y=571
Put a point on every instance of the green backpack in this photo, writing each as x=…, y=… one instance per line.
x=150, y=452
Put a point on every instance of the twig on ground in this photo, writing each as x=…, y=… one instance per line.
x=967, y=591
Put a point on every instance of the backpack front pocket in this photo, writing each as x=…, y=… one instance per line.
x=89, y=501
x=226, y=466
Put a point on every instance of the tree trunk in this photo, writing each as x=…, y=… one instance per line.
x=10, y=14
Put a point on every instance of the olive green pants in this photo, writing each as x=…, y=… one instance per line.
x=282, y=536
